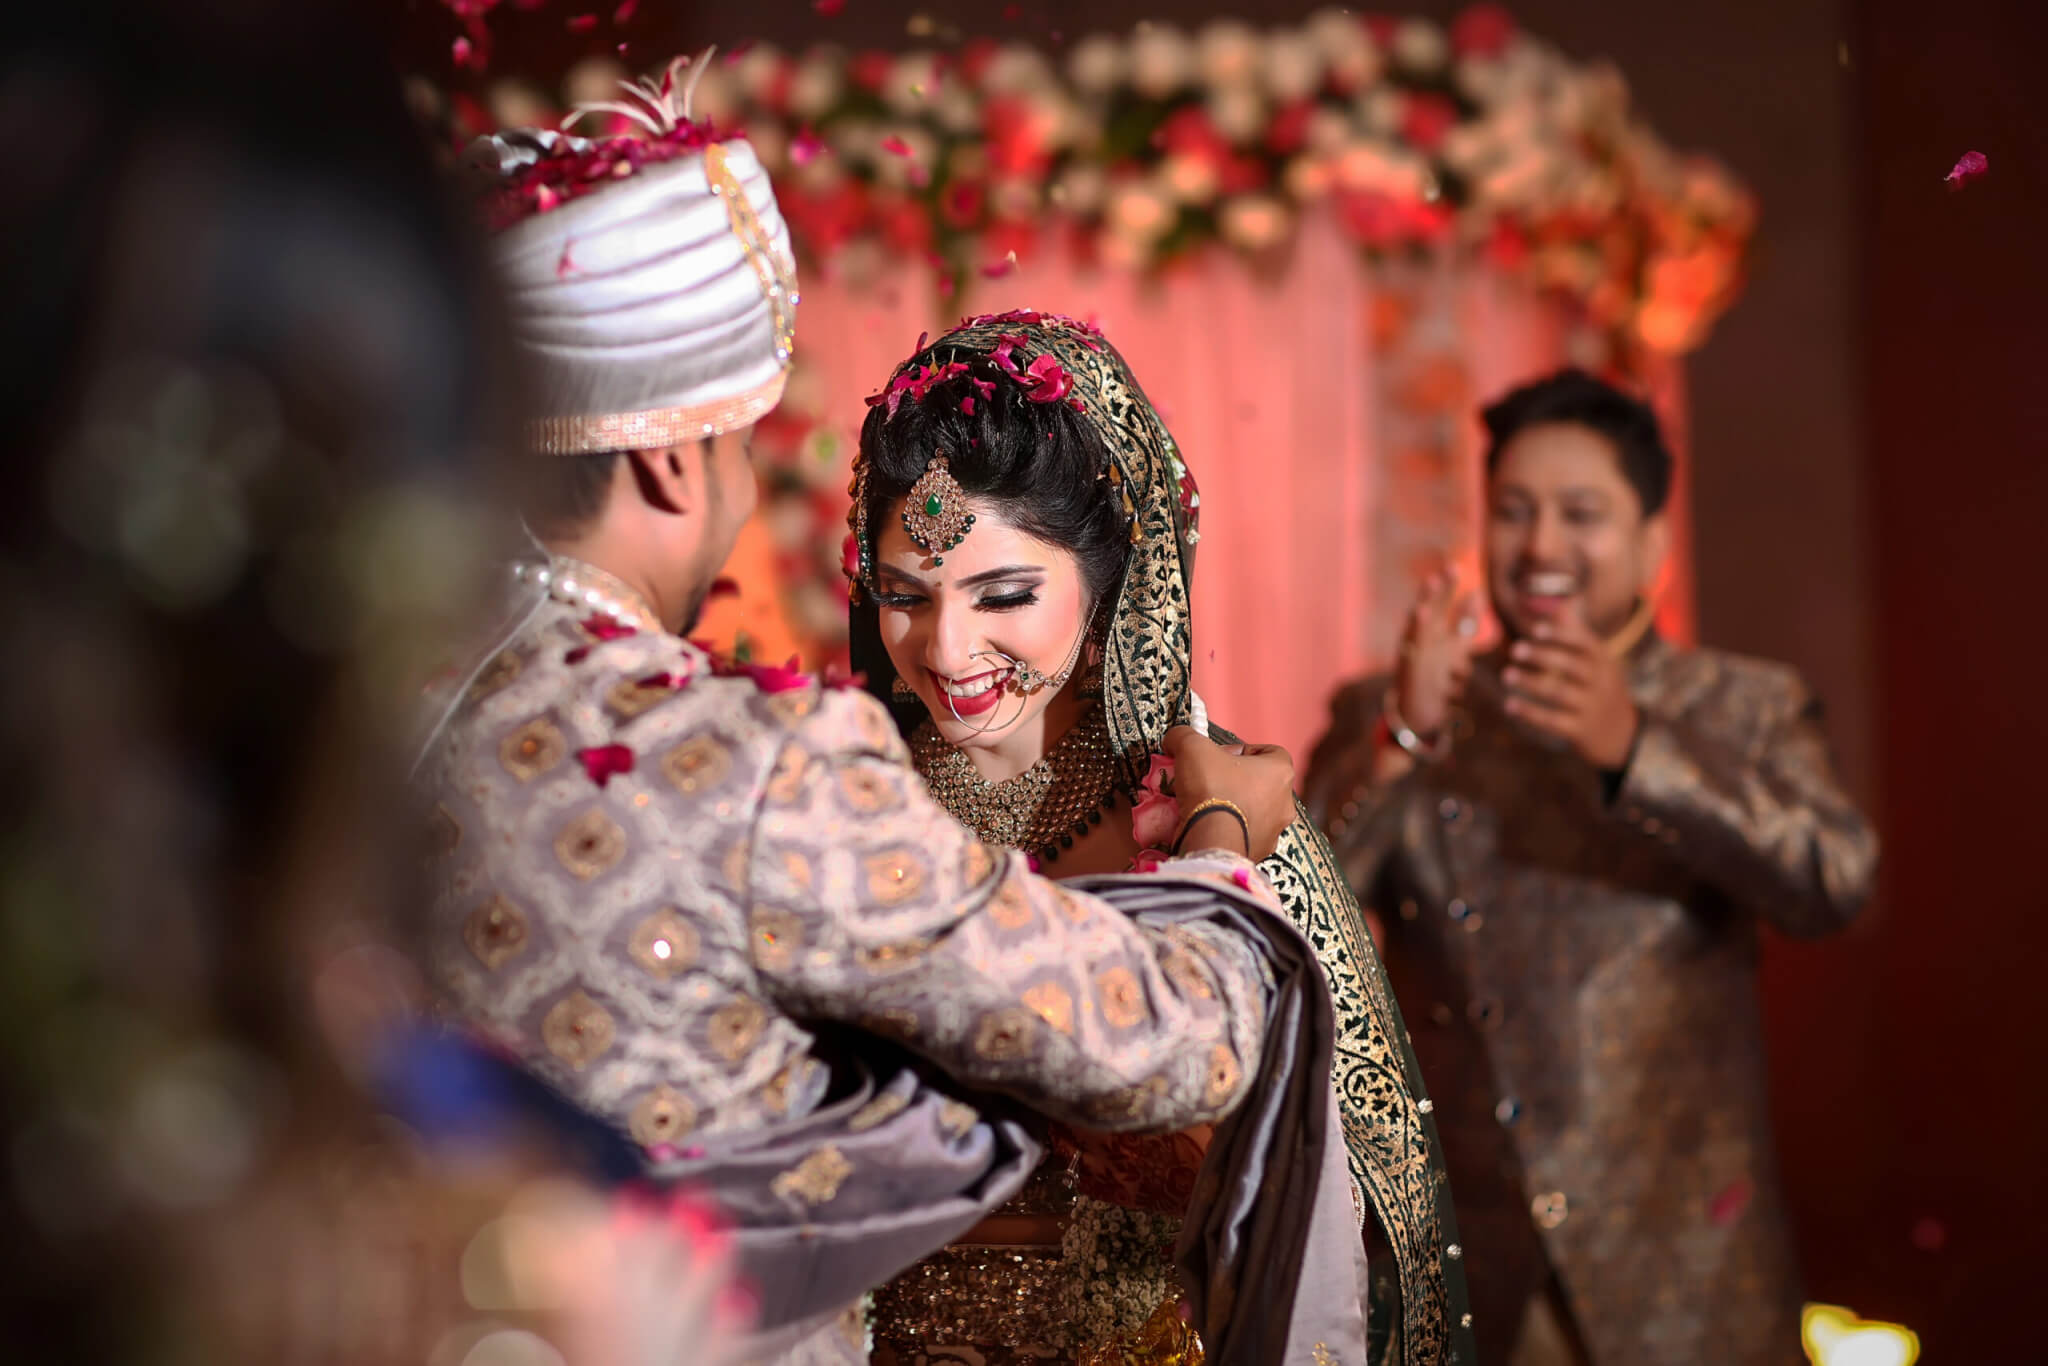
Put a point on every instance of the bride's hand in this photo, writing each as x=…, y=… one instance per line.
x=1257, y=779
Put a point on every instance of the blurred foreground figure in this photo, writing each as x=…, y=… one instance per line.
x=710, y=902
x=243, y=383
x=1571, y=841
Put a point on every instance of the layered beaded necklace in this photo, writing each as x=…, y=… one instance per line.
x=1042, y=810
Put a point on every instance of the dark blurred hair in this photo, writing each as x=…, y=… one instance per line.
x=560, y=495
x=1573, y=396
x=1040, y=465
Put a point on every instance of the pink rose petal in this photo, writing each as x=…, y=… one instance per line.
x=997, y=270
x=1967, y=168
x=605, y=762
x=722, y=587
x=805, y=147
x=607, y=628
x=581, y=23
x=1730, y=1201
x=1242, y=877
x=895, y=146
x=624, y=13
x=829, y=9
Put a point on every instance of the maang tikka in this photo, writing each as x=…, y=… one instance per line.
x=935, y=514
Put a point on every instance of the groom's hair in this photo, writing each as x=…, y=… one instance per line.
x=1575, y=397
x=1042, y=465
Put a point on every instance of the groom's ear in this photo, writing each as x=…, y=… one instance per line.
x=671, y=478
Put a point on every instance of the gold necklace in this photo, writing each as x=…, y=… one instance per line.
x=1042, y=810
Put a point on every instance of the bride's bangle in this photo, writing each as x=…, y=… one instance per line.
x=1209, y=807
x=1408, y=740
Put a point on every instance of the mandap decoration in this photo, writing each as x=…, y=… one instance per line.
x=1466, y=183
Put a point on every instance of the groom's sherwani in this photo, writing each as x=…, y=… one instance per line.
x=669, y=886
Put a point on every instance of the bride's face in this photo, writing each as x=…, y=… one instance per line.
x=948, y=626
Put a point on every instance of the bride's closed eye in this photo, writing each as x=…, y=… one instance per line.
x=1003, y=601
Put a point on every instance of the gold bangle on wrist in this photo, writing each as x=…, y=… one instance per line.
x=1205, y=807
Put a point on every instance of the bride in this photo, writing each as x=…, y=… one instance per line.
x=1024, y=533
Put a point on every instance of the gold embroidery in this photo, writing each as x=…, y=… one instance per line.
x=1005, y=1034
x=958, y=1118
x=777, y=937
x=696, y=764
x=882, y=1108
x=444, y=832
x=816, y=1179
x=1185, y=971
x=629, y=696
x=577, y=1030
x=496, y=676
x=793, y=706
x=532, y=749
x=796, y=868
x=1010, y=907
x=786, y=783
x=1121, y=998
x=1128, y=1105
x=890, y=957
x=736, y=1027
x=977, y=863
x=1224, y=1074
x=495, y=932
x=590, y=844
x=662, y=1116
x=775, y=1095
x=1053, y=1005
x=894, y=1023
x=664, y=943
x=1322, y=1355
x=866, y=791
x=894, y=877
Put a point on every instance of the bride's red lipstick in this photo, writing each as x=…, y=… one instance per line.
x=970, y=706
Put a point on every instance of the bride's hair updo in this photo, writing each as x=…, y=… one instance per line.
x=1040, y=466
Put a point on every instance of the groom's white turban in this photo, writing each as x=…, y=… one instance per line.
x=652, y=287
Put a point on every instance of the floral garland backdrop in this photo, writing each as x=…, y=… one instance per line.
x=1144, y=151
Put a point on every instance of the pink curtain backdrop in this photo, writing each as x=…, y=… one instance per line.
x=1326, y=406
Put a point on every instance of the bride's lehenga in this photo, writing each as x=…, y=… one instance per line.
x=1108, y=1293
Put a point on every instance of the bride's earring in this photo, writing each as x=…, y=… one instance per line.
x=902, y=691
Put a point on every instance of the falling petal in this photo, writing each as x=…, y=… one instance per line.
x=805, y=147
x=1242, y=877
x=462, y=51
x=967, y=405
x=581, y=23
x=1730, y=1201
x=997, y=270
x=1967, y=168
x=829, y=9
x=722, y=587
x=564, y=267
x=895, y=146
x=606, y=628
x=624, y=13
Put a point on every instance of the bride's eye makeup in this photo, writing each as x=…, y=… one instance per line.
x=1008, y=597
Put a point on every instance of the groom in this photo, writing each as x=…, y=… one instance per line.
x=710, y=903
x=1571, y=841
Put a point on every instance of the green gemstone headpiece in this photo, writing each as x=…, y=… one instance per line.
x=935, y=514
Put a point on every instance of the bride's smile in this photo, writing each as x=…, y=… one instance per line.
x=978, y=632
